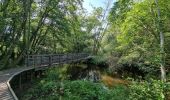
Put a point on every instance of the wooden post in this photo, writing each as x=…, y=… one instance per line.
x=41, y=60
x=36, y=75
x=50, y=60
x=31, y=76
x=20, y=81
x=26, y=76
x=72, y=57
x=33, y=61
x=59, y=59
x=67, y=58
x=26, y=61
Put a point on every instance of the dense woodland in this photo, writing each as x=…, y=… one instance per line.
x=129, y=42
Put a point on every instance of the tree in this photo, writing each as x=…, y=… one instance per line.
x=35, y=26
x=140, y=32
x=162, y=63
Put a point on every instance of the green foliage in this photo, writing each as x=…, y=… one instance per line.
x=58, y=74
x=53, y=74
x=86, y=90
x=136, y=28
x=32, y=27
x=53, y=88
x=167, y=91
x=99, y=60
x=75, y=90
x=120, y=93
x=151, y=90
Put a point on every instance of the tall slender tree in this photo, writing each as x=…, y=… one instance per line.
x=162, y=51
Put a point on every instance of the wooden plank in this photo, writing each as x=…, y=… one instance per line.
x=4, y=92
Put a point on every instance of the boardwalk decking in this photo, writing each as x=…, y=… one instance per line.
x=4, y=92
x=33, y=62
x=5, y=76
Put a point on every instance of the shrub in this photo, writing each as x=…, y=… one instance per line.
x=53, y=74
x=120, y=92
x=57, y=74
x=167, y=91
x=75, y=90
x=99, y=61
x=86, y=90
x=53, y=88
x=153, y=90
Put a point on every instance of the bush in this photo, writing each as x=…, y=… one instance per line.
x=153, y=90
x=99, y=61
x=57, y=74
x=53, y=74
x=53, y=88
x=167, y=91
x=75, y=90
x=86, y=90
x=119, y=92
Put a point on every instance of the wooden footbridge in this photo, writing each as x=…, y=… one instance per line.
x=33, y=62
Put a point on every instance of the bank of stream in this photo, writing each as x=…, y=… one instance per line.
x=87, y=82
x=55, y=79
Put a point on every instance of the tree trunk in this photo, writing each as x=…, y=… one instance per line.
x=162, y=62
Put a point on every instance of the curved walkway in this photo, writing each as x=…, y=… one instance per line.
x=6, y=92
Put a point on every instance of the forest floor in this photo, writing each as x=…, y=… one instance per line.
x=113, y=81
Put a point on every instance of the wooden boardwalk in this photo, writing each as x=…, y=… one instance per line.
x=33, y=62
x=6, y=92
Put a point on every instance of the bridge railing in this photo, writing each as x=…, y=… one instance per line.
x=53, y=59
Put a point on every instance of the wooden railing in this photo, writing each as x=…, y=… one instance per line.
x=53, y=59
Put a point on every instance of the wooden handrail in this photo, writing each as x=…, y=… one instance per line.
x=51, y=59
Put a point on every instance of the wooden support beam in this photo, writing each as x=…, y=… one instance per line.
x=31, y=75
x=50, y=60
x=41, y=60
x=20, y=81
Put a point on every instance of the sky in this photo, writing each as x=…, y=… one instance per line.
x=96, y=3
